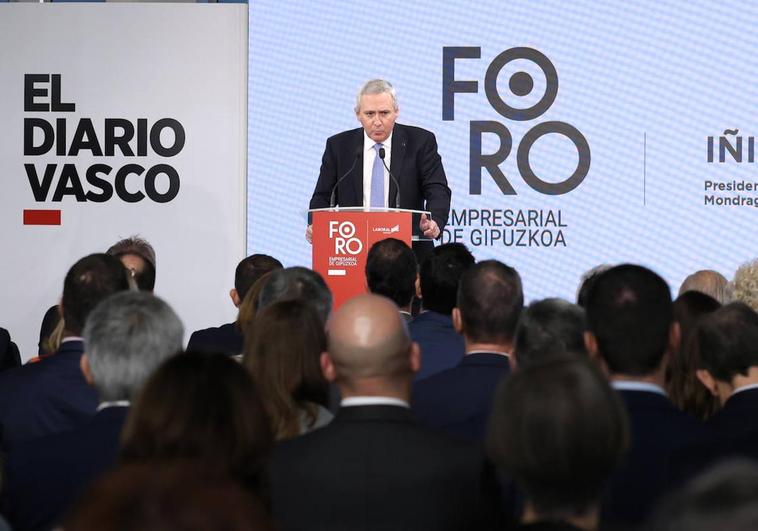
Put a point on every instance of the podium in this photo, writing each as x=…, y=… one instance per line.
x=342, y=238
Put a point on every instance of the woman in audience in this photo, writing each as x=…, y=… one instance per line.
x=249, y=306
x=682, y=386
x=559, y=430
x=282, y=351
x=201, y=407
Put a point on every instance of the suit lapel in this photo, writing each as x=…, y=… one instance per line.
x=399, y=142
x=357, y=176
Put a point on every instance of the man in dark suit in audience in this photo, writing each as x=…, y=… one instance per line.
x=392, y=271
x=52, y=395
x=631, y=332
x=441, y=346
x=228, y=337
x=458, y=400
x=374, y=466
x=127, y=336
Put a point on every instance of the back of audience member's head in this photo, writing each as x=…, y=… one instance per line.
x=89, y=281
x=282, y=351
x=179, y=496
x=547, y=328
x=682, y=385
x=249, y=306
x=745, y=284
x=202, y=407
x=490, y=300
x=708, y=282
x=586, y=282
x=728, y=342
x=127, y=336
x=721, y=498
x=297, y=283
x=369, y=342
x=248, y=271
x=138, y=256
x=630, y=316
x=391, y=271
x=440, y=274
x=559, y=430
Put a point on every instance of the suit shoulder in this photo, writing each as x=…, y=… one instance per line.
x=414, y=131
x=344, y=136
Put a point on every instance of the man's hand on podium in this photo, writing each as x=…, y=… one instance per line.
x=309, y=233
x=429, y=227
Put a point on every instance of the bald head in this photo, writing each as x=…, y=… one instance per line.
x=711, y=283
x=368, y=339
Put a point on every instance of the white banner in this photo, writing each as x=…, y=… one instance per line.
x=121, y=119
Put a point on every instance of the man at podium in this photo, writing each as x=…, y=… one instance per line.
x=365, y=166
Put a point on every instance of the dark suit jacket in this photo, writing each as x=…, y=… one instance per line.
x=225, y=338
x=415, y=164
x=657, y=431
x=376, y=468
x=47, y=397
x=45, y=476
x=458, y=401
x=441, y=346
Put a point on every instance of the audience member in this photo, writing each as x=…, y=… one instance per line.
x=203, y=407
x=631, y=332
x=441, y=346
x=392, y=271
x=249, y=306
x=228, y=337
x=50, y=333
x=126, y=336
x=282, y=353
x=9, y=354
x=297, y=283
x=682, y=385
x=745, y=284
x=374, y=467
x=559, y=430
x=138, y=257
x=167, y=497
x=586, y=281
x=458, y=400
x=708, y=282
x=548, y=328
x=52, y=395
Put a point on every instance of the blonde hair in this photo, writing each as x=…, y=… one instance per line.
x=745, y=284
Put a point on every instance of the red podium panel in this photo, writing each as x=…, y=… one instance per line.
x=341, y=241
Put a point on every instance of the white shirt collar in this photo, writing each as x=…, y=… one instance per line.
x=626, y=385
x=373, y=401
x=499, y=353
x=113, y=403
x=747, y=387
x=71, y=338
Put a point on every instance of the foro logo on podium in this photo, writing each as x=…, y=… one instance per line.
x=343, y=235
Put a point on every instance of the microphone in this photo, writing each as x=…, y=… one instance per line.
x=358, y=156
x=397, y=184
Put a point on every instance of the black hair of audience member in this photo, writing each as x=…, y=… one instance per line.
x=204, y=407
x=282, y=352
x=549, y=327
x=144, y=276
x=9, y=354
x=629, y=312
x=721, y=498
x=391, y=271
x=167, y=496
x=89, y=281
x=297, y=283
x=728, y=341
x=490, y=299
x=250, y=269
x=49, y=323
x=587, y=280
x=559, y=430
x=682, y=386
x=440, y=273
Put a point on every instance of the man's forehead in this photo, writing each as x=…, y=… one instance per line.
x=376, y=102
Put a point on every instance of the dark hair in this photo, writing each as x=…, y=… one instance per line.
x=297, y=283
x=440, y=274
x=282, y=352
x=629, y=311
x=728, y=341
x=89, y=281
x=490, y=299
x=250, y=269
x=559, y=430
x=547, y=328
x=168, y=496
x=136, y=246
x=391, y=271
x=722, y=498
x=203, y=407
x=682, y=386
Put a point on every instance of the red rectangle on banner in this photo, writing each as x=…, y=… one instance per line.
x=42, y=217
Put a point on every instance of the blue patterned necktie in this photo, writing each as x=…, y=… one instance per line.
x=377, y=180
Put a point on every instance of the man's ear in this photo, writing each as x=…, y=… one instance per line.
x=593, y=350
x=235, y=297
x=418, y=287
x=84, y=366
x=415, y=357
x=513, y=361
x=707, y=379
x=327, y=367
x=457, y=321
